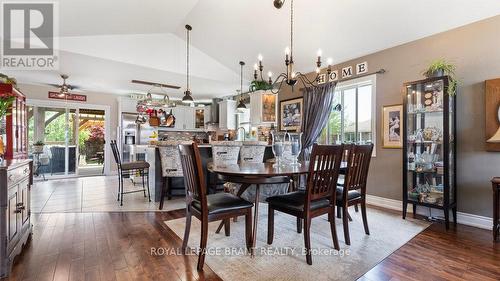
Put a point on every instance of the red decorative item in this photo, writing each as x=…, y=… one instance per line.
x=16, y=124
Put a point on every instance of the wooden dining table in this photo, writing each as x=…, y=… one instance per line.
x=259, y=174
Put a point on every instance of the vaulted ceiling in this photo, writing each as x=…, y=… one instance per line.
x=105, y=44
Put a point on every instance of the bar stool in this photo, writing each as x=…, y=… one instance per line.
x=170, y=167
x=128, y=169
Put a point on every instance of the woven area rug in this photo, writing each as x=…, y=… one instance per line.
x=284, y=260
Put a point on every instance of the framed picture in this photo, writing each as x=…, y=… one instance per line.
x=392, y=126
x=269, y=108
x=291, y=114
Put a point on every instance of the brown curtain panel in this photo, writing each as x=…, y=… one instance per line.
x=317, y=108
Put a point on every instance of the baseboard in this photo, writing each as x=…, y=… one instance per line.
x=462, y=218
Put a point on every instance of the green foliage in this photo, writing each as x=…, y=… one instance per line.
x=447, y=69
x=83, y=135
x=39, y=143
x=259, y=85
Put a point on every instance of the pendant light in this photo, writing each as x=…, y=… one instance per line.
x=188, y=98
x=241, y=105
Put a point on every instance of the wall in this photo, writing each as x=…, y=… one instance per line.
x=41, y=93
x=474, y=51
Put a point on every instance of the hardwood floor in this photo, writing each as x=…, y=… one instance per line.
x=117, y=246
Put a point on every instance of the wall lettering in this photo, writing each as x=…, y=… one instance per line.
x=334, y=76
x=347, y=72
x=322, y=79
x=361, y=68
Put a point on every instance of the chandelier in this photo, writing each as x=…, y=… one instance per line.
x=290, y=77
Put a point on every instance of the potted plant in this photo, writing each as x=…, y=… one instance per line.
x=441, y=67
x=38, y=146
x=257, y=85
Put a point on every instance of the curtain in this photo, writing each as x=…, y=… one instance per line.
x=317, y=107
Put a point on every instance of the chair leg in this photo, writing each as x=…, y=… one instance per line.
x=307, y=239
x=356, y=208
x=222, y=223
x=345, y=221
x=162, y=193
x=248, y=229
x=338, y=212
x=349, y=216
x=299, y=225
x=270, y=226
x=365, y=221
x=333, y=229
x=203, y=243
x=147, y=185
x=186, y=231
x=143, y=185
x=227, y=227
x=169, y=188
x=119, y=186
x=121, y=194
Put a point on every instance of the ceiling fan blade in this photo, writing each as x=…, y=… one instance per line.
x=155, y=84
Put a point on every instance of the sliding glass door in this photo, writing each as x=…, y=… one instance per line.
x=73, y=140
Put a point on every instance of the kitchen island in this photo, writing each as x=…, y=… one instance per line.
x=156, y=181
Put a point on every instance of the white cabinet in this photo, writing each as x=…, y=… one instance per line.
x=184, y=117
x=227, y=115
x=263, y=108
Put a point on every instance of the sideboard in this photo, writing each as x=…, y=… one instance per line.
x=16, y=179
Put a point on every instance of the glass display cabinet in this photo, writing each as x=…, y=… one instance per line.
x=429, y=147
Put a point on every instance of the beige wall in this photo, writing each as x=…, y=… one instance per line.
x=474, y=49
x=33, y=92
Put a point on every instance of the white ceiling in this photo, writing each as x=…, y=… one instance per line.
x=105, y=44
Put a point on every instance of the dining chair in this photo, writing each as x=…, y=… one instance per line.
x=224, y=153
x=128, y=169
x=317, y=199
x=170, y=167
x=208, y=208
x=353, y=190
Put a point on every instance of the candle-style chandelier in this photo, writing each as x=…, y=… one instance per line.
x=290, y=77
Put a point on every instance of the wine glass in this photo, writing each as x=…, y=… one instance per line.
x=296, y=146
x=278, y=147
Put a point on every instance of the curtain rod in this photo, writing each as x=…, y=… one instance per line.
x=380, y=71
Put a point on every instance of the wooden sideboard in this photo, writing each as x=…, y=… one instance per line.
x=16, y=179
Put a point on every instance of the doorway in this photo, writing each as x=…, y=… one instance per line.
x=73, y=137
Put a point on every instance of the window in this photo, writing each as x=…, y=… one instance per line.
x=352, y=119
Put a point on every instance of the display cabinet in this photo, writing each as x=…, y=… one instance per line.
x=16, y=125
x=429, y=146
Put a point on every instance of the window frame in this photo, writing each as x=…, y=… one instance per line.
x=355, y=84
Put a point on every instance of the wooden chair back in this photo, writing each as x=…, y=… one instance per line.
x=358, y=164
x=194, y=179
x=324, y=169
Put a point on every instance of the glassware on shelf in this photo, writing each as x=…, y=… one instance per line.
x=278, y=145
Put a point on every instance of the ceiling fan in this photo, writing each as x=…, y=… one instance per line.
x=64, y=88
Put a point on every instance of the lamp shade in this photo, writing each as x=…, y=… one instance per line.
x=496, y=137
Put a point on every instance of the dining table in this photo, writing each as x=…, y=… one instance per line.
x=261, y=174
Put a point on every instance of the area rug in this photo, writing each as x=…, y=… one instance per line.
x=284, y=260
